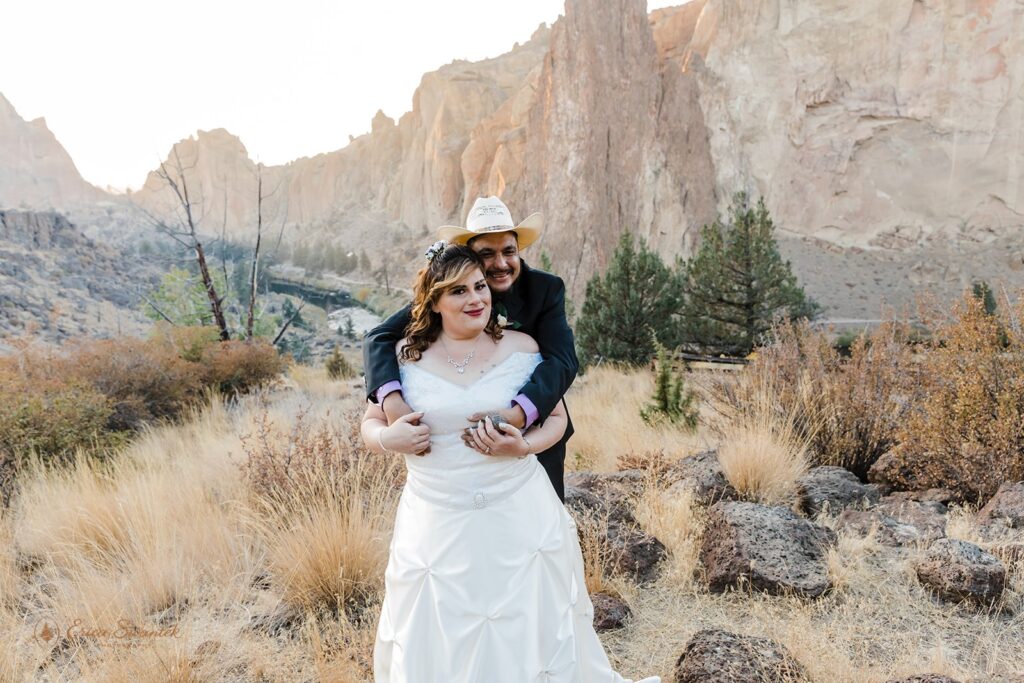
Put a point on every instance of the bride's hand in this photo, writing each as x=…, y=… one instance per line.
x=407, y=435
x=503, y=440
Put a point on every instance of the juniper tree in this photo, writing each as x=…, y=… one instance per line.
x=672, y=401
x=737, y=284
x=629, y=307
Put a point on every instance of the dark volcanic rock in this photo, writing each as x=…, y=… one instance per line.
x=770, y=547
x=702, y=474
x=833, y=488
x=715, y=656
x=610, y=612
x=898, y=522
x=957, y=570
x=635, y=553
x=1006, y=507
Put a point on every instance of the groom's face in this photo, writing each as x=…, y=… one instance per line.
x=500, y=254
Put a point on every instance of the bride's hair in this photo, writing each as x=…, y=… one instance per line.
x=443, y=272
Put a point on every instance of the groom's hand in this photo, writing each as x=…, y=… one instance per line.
x=515, y=416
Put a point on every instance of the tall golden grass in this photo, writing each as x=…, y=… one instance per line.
x=288, y=587
x=605, y=407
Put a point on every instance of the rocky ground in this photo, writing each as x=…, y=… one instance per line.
x=57, y=283
x=963, y=564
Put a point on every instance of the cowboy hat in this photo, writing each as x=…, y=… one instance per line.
x=489, y=214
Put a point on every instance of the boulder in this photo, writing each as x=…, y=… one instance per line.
x=715, y=656
x=634, y=553
x=702, y=475
x=834, y=489
x=610, y=612
x=770, y=547
x=898, y=522
x=604, y=495
x=1006, y=507
x=957, y=570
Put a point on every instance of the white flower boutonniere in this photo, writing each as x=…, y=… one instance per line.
x=502, y=321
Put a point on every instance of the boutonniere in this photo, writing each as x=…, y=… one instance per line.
x=503, y=321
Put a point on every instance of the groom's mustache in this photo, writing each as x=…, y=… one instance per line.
x=499, y=273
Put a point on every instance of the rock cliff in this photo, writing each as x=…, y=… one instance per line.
x=887, y=137
x=35, y=170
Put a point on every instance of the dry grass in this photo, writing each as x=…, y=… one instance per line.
x=763, y=453
x=605, y=408
x=172, y=532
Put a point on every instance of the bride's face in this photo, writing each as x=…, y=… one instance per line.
x=465, y=307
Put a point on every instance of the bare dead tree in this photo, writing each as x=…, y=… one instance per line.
x=256, y=251
x=287, y=323
x=188, y=235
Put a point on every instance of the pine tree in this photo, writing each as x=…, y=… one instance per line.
x=338, y=367
x=629, y=307
x=737, y=284
x=671, y=401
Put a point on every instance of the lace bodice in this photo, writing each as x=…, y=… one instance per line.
x=453, y=474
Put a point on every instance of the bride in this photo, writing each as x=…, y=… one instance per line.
x=484, y=582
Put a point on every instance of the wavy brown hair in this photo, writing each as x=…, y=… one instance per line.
x=441, y=274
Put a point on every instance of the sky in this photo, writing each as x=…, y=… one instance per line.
x=120, y=81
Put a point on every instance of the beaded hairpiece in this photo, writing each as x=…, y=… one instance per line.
x=435, y=249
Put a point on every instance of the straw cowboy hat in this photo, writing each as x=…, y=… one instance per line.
x=489, y=214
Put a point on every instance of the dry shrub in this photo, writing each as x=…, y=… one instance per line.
x=967, y=431
x=847, y=408
x=653, y=462
x=46, y=414
x=598, y=553
x=325, y=509
x=188, y=343
x=329, y=547
x=143, y=380
x=235, y=367
x=283, y=466
x=762, y=454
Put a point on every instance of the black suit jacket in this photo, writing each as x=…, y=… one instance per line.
x=537, y=302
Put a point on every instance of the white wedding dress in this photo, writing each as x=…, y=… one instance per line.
x=484, y=582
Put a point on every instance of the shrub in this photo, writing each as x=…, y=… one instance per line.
x=847, y=408
x=338, y=366
x=50, y=417
x=967, y=431
x=144, y=381
x=762, y=452
x=672, y=400
x=234, y=367
x=188, y=343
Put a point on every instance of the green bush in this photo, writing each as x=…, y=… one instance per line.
x=672, y=400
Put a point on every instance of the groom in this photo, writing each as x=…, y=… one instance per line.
x=524, y=299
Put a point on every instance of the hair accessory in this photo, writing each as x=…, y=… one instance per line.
x=435, y=249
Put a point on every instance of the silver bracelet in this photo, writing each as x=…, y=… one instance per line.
x=380, y=439
x=528, y=448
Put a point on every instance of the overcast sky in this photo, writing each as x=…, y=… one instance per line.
x=119, y=81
